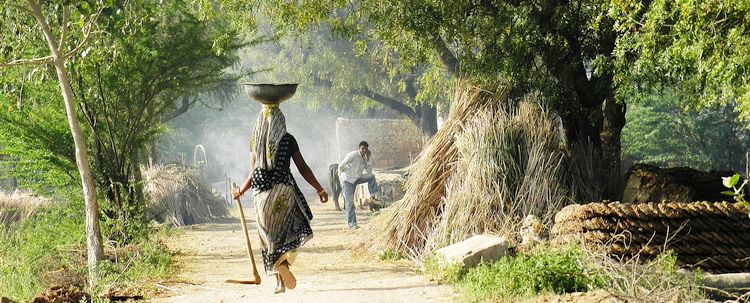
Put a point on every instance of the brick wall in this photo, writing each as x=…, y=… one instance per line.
x=393, y=142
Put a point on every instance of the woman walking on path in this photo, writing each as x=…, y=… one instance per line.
x=282, y=213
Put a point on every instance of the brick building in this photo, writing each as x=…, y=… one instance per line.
x=394, y=142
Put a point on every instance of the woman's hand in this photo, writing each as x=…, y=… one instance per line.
x=236, y=193
x=323, y=195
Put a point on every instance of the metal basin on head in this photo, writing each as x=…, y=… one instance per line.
x=267, y=93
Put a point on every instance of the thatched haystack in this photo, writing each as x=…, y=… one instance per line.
x=180, y=196
x=714, y=236
x=19, y=205
x=483, y=172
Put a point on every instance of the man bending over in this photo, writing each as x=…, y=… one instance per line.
x=356, y=169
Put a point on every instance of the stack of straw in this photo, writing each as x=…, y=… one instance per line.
x=18, y=206
x=181, y=197
x=509, y=166
x=484, y=170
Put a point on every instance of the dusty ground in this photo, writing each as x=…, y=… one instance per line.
x=213, y=253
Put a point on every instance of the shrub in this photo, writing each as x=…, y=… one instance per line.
x=543, y=270
x=49, y=248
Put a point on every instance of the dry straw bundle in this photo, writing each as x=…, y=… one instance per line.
x=18, y=206
x=482, y=172
x=509, y=166
x=181, y=197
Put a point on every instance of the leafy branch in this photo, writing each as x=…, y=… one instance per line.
x=737, y=192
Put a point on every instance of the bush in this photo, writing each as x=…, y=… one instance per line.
x=441, y=271
x=544, y=270
x=49, y=249
x=41, y=248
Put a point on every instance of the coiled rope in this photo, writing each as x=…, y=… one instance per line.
x=714, y=236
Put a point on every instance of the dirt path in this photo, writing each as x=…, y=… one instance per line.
x=212, y=253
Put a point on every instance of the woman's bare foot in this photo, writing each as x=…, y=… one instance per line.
x=287, y=277
x=280, y=288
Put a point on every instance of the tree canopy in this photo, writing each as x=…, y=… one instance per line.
x=697, y=50
x=142, y=64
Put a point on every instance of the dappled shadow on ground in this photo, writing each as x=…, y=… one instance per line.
x=325, y=269
x=375, y=288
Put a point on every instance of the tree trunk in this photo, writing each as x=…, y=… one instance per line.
x=428, y=121
x=614, y=121
x=137, y=177
x=93, y=234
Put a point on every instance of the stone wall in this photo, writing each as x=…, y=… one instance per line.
x=394, y=142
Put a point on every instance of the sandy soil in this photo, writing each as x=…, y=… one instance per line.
x=213, y=253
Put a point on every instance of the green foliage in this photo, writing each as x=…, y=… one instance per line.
x=348, y=74
x=544, y=270
x=442, y=271
x=158, y=57
x=540, y=46
x=390, y=255
x=662, y=131
x=43, y=247
x=697, y=48
x=35, y=137
x=49, y=249
x=738, y=192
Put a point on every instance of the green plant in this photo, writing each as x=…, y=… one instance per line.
x=544, y=270
x=738, y=192
x=655, y=279
x=49, y=249
x=390, y=255
x=442, y=271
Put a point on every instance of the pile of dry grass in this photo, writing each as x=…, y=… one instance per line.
x=402, y=226
x=18, y=206
x=509, y=166
x=634, y=279
x=180, y=196
x=484, y=170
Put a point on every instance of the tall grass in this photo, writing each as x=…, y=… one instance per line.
x=49, y=249
x=486, y=169
x=38, y=251
x=18, y=206
x=180, y=196
x=589, y=178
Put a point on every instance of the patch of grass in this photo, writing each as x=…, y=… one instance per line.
x=41, y=249
x=442, y=271
x=543, y=270
x=49, y=249
x=390, y=255
x=135, y=264
x=655, y=280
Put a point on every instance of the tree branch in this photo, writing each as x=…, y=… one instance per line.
x=447, y=57
x=387, y=101
x=22, y=62
x=186, y=104
x=64, y=28
x=86, y=36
